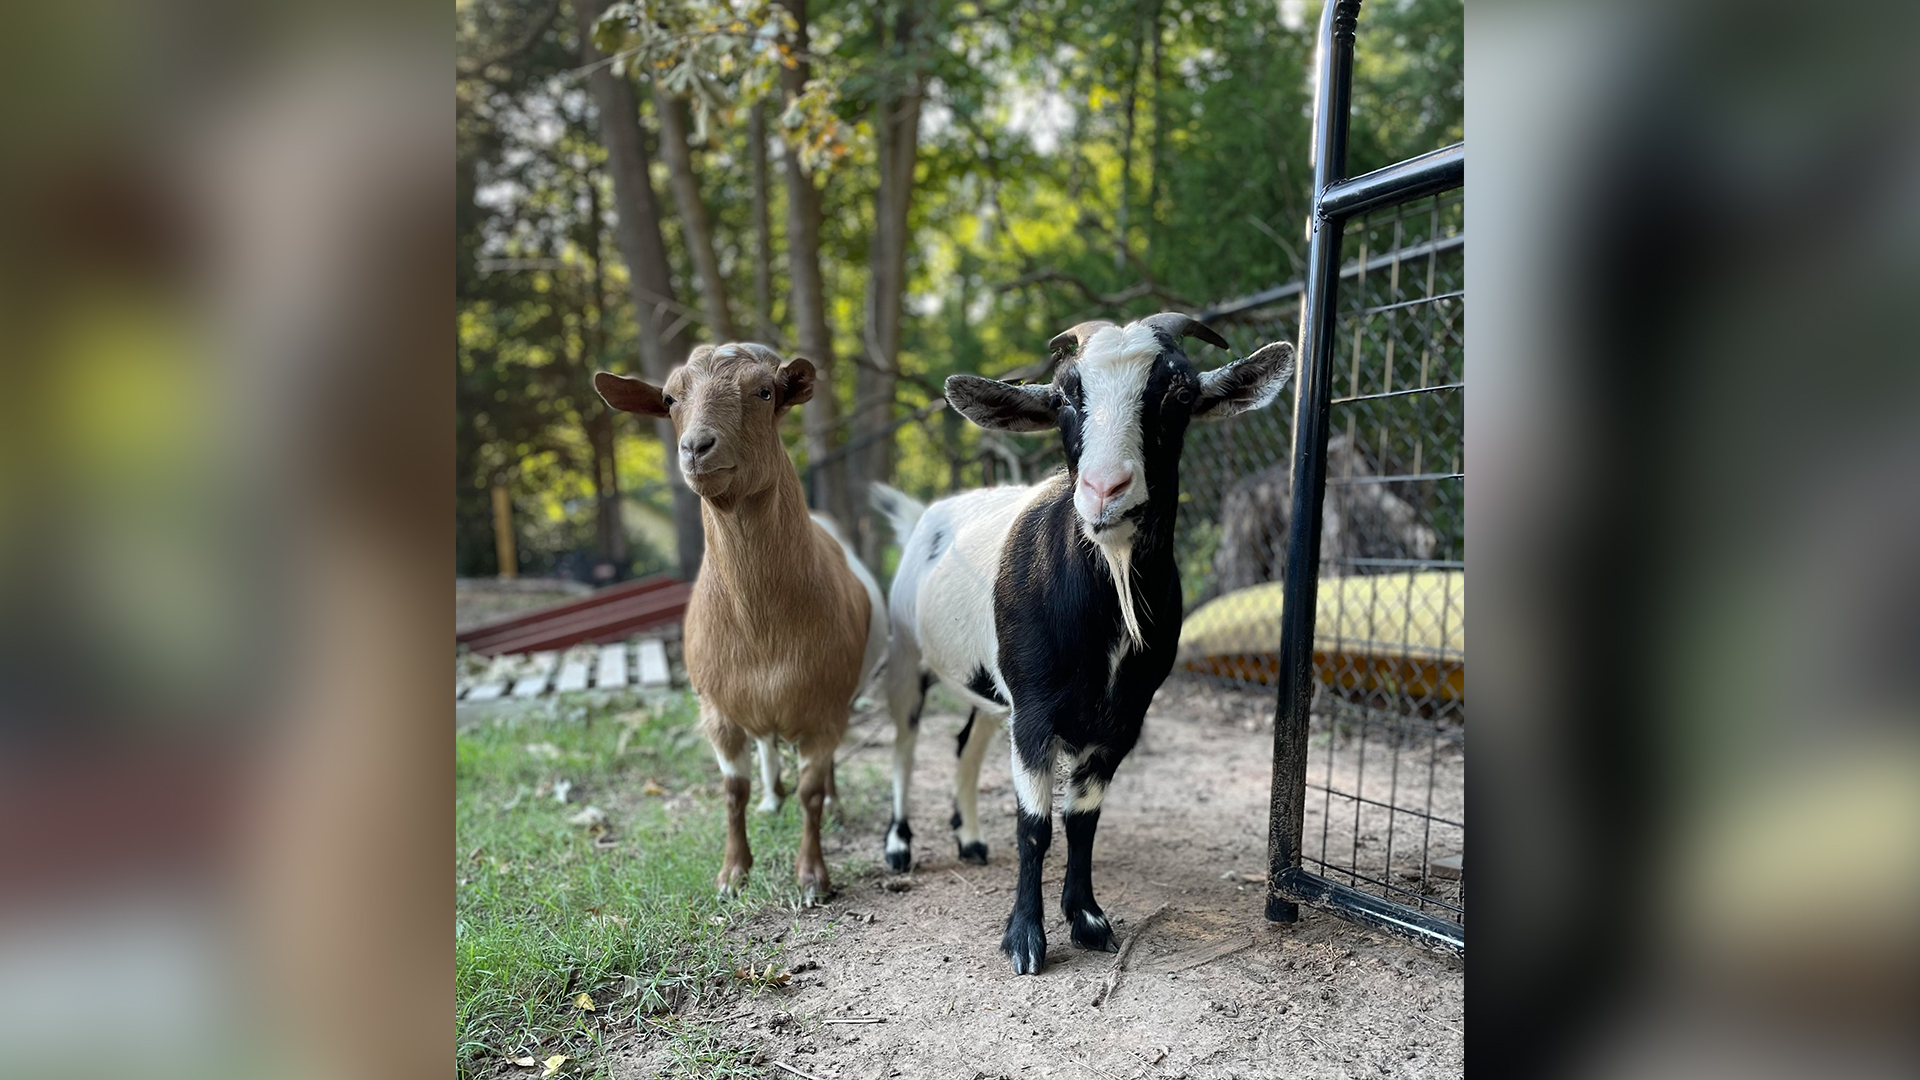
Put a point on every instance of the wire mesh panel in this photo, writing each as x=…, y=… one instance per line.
x=1389, y=720
x=1386, y=811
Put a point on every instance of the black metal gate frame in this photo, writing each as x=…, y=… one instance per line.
x=1335, y=199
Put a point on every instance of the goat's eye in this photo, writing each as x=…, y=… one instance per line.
x=1185, y=396
x=669, y=400
x=766, y=394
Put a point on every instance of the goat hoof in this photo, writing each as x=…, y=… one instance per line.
x=731, y=880
x=1025, y=944
x=1091, y=930
x=773, y=798
x=899, y=847
x=975, y=853
x=814, y=883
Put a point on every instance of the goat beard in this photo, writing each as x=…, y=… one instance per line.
x=1119, y=557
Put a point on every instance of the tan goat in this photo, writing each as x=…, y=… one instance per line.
x=785, y=625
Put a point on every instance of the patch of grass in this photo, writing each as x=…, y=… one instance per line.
x=544, y=913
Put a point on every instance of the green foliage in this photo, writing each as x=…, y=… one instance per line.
x=543, y=913
x=1018, y=200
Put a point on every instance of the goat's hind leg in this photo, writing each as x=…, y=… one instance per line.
x=772, y=792
x=906, y=695
x=972, y=749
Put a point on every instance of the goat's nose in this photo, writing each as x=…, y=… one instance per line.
x=694, y=445
x=1107, y=486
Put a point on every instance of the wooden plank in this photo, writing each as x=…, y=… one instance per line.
x=599, y=598
x=495, y=681
x=604, y=624
x=653, y=663
x=573, y=676
x=613, y=666
x=539, y=671
x=618, y=621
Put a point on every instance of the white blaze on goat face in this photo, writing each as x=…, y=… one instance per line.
x=1113, y=367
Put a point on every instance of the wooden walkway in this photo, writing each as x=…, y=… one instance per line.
x=593, y=643
x=638, y=663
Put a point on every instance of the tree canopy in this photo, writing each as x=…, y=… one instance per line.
x=984, y=175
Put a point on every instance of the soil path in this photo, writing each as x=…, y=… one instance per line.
x=1211, y=989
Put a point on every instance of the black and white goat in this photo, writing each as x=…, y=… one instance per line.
x=1056, y=606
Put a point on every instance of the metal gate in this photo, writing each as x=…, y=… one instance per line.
x=1407, y=709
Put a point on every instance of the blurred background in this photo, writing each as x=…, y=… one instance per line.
x=1693, y=441
x=227, y=446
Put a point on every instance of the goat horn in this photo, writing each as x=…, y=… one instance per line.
x=1177, y=326
x=1075, y=337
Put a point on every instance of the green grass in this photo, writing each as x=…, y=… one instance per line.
x=543, y=914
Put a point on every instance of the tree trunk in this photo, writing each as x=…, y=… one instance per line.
x=762, y=227
x=637, y=231
x=694, y=224
x=599, y=417
x=1126, y=157
x=808, y=304
x=897, y=137
x=1155, y=175
x=507, y=559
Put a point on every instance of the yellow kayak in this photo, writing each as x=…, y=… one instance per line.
x=1398, y=633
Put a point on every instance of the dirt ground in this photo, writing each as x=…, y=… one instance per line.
x=1211, y=989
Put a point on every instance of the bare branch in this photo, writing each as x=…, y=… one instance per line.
x=1110, y=300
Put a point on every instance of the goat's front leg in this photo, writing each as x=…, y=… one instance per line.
x=1025, y=942
x=816, y=775
x=772, y=792
x=730, y=747
x=1081, y=816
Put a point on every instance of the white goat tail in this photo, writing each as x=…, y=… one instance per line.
x=901, y=510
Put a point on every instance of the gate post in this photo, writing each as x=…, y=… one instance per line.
x=1333, y=94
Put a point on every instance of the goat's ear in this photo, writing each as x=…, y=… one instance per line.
x=793, y=384
x=630, y=395
x=999, y=406
x=1251, y=382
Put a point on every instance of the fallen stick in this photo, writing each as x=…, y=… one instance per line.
x=854, y=1020
x=788, y=1068
x=1120, y=961
x=1206, y=954
x=717, y=1019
